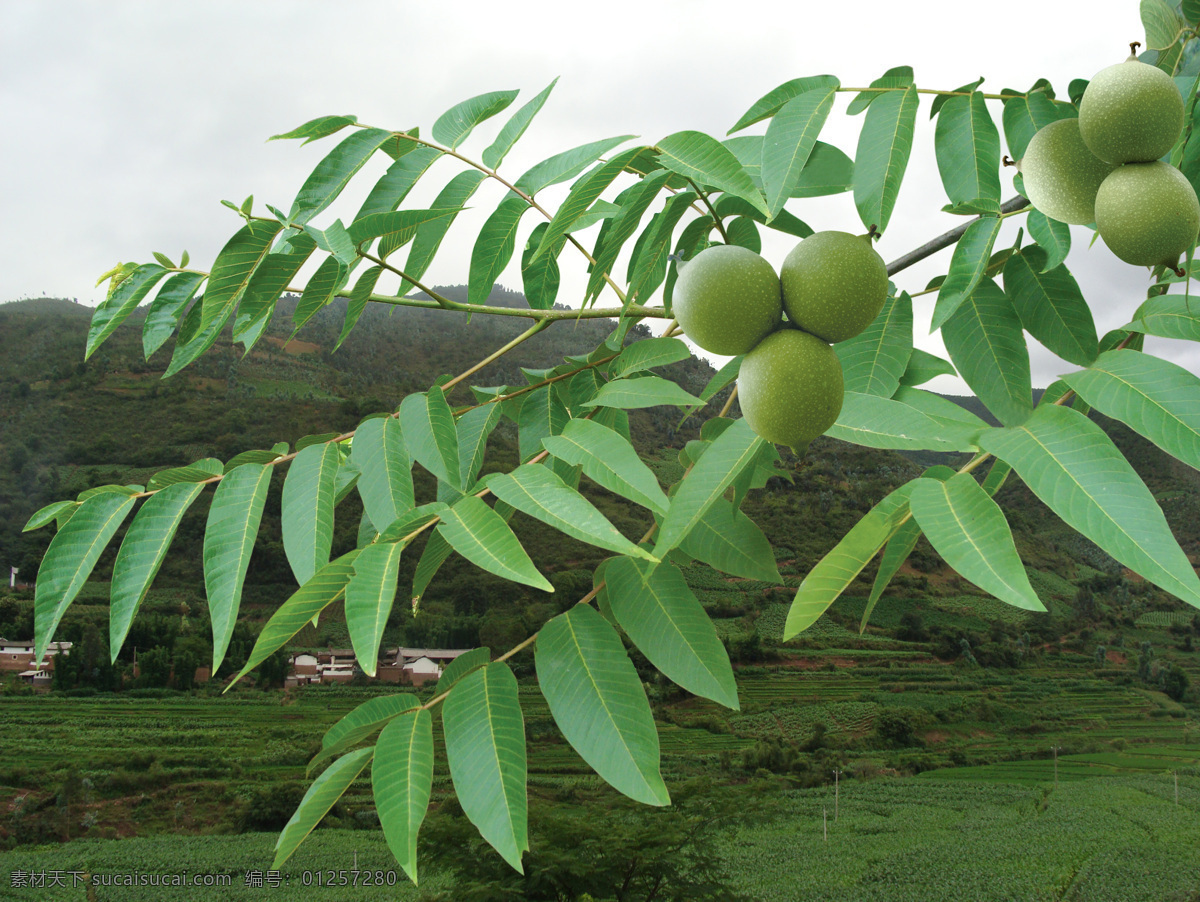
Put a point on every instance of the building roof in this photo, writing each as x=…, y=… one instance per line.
x=444, y=654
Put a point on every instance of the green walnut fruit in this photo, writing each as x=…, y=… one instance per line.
x=727, y=299
x=1130, y=113
x=834, y=285
x=1147, y=213
x=1061, y=175
x=790, y=388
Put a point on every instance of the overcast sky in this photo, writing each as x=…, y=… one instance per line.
x=127, y=122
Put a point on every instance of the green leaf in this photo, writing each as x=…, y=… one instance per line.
x=69, y=560
x=1052, y=236
x=986, y=343
x=968, y=529
x=142, y=553
x=307, y=509
x=875, y=422
x=583, y=193
x=167, y=308
x=609, y=460
x=331, y=276
x=456, y=124
x=655, y=607
x=1161, y=23
x=1051, y=306
x=274, y=274
x=396, y=228
x=358, y=301
x=968, y=150
x=452, y=199
x=49, y=514
x=828, y=171
x=789, y=142
x=257, y=457
x=480, y=535
x=1154, y=397
x=462, y=665
x=884, y=146
x=391, y=189
x=514, y=128
x=334, y=172
x=648, y=264
x=634, y=202
x=830, y=576
x=494, y=247
x=321, y=796
x=303, y=606
x=896, y=77
x=940, y=409
x=233, y=521
x=402, y=781
x=534, y=490
x=597, y=700
x=895, y=553
x=728, y=540
x=731, y=452
x=699, y=157
x=474, y=427
x=201, y=471
x=1025, y=116
x=540, y=280
x=1074, y=468
x=321, y=127
x=386, y=485
x=771, y=102
x=430, y=435
x=437, y=549
x=566, y=165
x=967, y=267
x=923, y=366
x=642, y=391
x=874, y=360
x=360, y=724
x=720, y=379
x=1191, y=10
x=652, y=352
x=542, y=415
x=1168, y=316
x=122, y=302
x=485, y=748
x=369, y=597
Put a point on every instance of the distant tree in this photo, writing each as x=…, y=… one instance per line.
x=1176, y=683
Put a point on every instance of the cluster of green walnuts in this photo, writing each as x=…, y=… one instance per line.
x=730, y=301
x=1105, y=166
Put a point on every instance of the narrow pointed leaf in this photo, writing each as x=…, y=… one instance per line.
x=720, y=379
x=358, y=301
x=436, y=551
x=430, y=434
x=391, y=189
x=69, y=560
x=334, y=172
x=1168, y=316
x=986, y=343
x=731, y=452
x=359, y=725
x=643, y=355
x=875, y=422
x=233, y=521
x=1052, y=236
x=456, y=124
x=541, y=280
x=597, y=700
x=514, y=128
x=884, y=146
x=968, y=529
x=268, y=282
x=830, y=576
x=729, y=541
x=705, y=160
x=648, y=263
x=643, y=391
x=1154, y=397
x=609, y=460
x=474, y=428
x=1051, y=306
x=307, y=509
x=395, y=228
x=200, y=471
x=429, y=236
x=771, y=102
x=968, y=150
x=485, y=748
x=480, y=535
x=385, y=483
x=664, y=619
x=117, y=306
x=895, y=553
x=331, y=276
x=874, y=360
x=566, y=165
x=461, y=666
x=789, y=141
x=369, y=597
x=923, y=366
x=402, y=781
x=634, y=203
x=48, y=514
x=321, y=796
x=166, y=310
x=320, y=127
x=142, y=553
x=302, y=607
x=536, y=491
x=235, y=266
x=1074, y=468
x=967, y=267
x=494, y=247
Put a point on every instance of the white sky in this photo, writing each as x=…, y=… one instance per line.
x=126, y=122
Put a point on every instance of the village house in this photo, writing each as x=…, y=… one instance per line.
x=407, y=666
x=17, y=657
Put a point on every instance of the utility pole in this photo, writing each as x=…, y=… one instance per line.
x=1056, y=749
x=837, y=773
